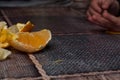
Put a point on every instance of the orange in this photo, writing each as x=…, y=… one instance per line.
x=4, y=53
x=31, y=41
x=20, y=27
x=28, y=27
x=3, y=25
x=5, y=36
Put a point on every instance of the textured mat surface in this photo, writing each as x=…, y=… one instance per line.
x=28, y=3
x=17, y=66
x=81, y=54
x=74, y=49
x=55, y=19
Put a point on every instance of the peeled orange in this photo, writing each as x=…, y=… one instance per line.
x=28, y=27
x=3, y=25
x=31, y=41
x=4, y=53
x=21, y=27
x=5, y=36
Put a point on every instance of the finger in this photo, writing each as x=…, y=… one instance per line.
x=91, y=19
x=111, y=18
x=106, y=4
x=95, y=6
x=102, y=21
x=98, y=23
x=88, y=14
x=114, y=20
x=93, y=12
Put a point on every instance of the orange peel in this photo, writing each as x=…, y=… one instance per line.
x=31, y=41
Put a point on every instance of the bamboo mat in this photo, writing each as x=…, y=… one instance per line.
x=77, y=50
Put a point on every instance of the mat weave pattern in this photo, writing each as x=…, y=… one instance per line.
x=79, y=50
x=80, y=53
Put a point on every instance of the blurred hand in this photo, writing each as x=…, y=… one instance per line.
x=103, y=12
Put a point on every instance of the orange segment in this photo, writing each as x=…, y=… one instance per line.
x=20, y=27
x=4, y=53
x=28, y=27
x=31, y=42
x=13, y=29
x=5, y=36
x=3, y=25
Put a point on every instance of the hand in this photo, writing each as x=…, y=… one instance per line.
x=109, y=21
x=98, y=13
x=98, y=6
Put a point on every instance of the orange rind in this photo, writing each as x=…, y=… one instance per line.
x=31, y=41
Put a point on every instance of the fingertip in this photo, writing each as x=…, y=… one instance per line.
x=105, y=13
x=87, y=14
x=105, y=5
x=110, y=17
x=96, y=7
x=89, y=18
x=94, y=17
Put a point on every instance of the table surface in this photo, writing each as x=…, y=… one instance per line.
x=71, y=34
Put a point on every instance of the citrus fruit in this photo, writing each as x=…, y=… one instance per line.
x=3, y=25
x=5, y=36
x=31, y=41
x=28, y=27
x=4, y=53
x=20, y=27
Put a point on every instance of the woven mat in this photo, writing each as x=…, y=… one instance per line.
x=17, y=66
x=80, y=54
x=56, y=19
x=28, y=3
x=77, y=46
x=1, y=17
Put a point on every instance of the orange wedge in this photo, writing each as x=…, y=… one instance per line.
x=4, y=53
x=20, y=27
x=31, y=42
x=5, y=36
x=3, y=25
